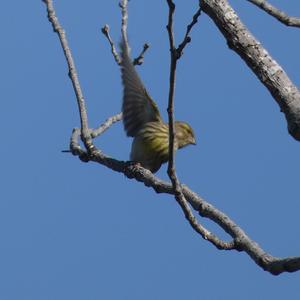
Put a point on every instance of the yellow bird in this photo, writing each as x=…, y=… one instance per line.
x=142, y=120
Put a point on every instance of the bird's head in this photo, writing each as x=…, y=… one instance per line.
x=184, y=134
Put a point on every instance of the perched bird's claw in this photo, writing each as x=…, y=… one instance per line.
x=134, y=164
x=131, y=168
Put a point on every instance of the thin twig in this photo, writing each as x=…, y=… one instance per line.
x=173, y=64
x=105, y=31
x=179, y=196
x=72, y=72
x=99, y=130
x=140, y=59
x=123, y=4
x=276, y=13
x=187, y=39
x=75, y=148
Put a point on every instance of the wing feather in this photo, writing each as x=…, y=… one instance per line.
x=138, y=107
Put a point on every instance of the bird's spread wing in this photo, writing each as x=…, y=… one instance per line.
x=138, y=107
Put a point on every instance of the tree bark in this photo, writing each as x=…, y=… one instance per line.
x=268, y=71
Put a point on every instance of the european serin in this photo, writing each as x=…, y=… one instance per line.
x=142, y=120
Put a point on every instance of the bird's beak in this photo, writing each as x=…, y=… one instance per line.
x=193, y=141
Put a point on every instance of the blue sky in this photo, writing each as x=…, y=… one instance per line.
x=71, y=230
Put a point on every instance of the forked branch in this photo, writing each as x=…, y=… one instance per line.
x=240, y=241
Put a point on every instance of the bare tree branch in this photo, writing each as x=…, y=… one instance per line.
x=240, y=242
x=72, y=71
x=137, y=61
x=179, y=196
x=276, y=13
x=187, y=38
x=99, y=130
x=140, y=59
x=258, y=59
x=173, y=64
x=148, y=178
x=123, y=4
x=105, y=31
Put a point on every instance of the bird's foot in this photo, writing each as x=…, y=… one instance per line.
x=133, y=164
